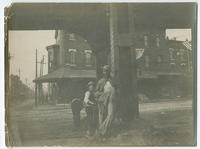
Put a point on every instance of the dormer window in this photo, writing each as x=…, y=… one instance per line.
x=145, y=40
x=72, y=36
x=72, y=53
x=88, y=56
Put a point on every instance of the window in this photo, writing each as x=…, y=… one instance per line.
x=50, y=64
x=159, y=59
x=72, y=53
x=145, y=40
x=171, y=54
x=51, y=55
x=88, y=57
x=157, y=41
x=71, y=36
x=50, y=58
x=147, y=61
x=182, y=55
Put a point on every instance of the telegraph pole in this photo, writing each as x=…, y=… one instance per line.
x=40, y=88
x=36, y=75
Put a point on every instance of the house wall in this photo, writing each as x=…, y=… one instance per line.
x=165, y=87
x=72, y=88
x=165, y=64
x=168, y=77
x=80, y=44
x=67, y=89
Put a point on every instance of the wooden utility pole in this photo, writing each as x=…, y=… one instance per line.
x=36, y=75
x=40, y=88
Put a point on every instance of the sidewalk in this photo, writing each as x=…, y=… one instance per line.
x=155, y=106
x=163, y=106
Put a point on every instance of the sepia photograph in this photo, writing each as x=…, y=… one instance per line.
x=100, y=74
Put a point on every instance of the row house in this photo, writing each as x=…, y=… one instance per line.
x=163, y=63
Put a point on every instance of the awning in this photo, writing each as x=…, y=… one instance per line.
x=66, y=73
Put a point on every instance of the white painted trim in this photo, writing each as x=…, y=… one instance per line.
x=72, y=50
x=88, y=51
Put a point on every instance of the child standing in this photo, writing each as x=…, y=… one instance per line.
x=76, y=106
x=91, y=109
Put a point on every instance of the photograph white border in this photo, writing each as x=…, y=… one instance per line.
x=6, y=3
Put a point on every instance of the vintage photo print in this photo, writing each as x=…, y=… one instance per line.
x=100, y=74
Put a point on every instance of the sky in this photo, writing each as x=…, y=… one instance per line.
x=180, y=34
x=23, y=44
x=22, y=48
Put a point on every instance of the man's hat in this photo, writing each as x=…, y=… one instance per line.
x=90, y=83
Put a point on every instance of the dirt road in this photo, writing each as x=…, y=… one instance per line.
x=163, y=123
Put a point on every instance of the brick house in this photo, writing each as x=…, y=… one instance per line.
x=165, y=64
x=71, y=64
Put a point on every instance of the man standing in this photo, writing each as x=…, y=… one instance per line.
x=105, y=94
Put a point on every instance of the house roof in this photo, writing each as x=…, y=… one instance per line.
x=66, y=73
x=176, y=44
x=52, y=46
